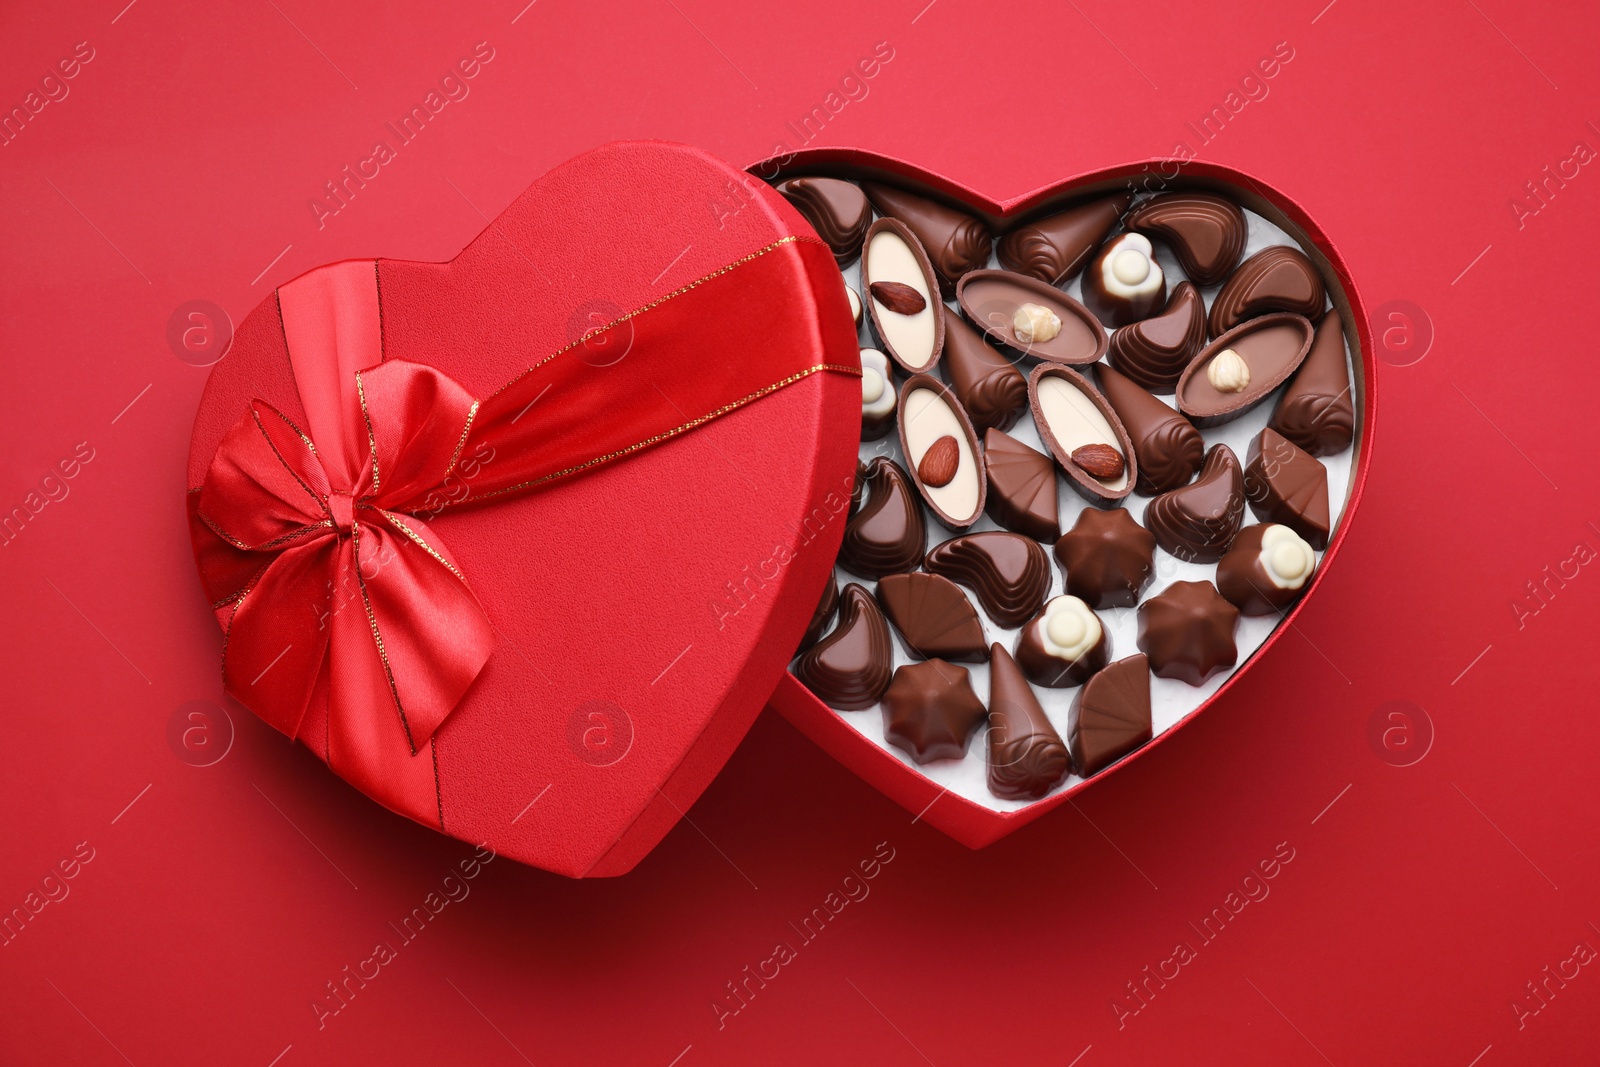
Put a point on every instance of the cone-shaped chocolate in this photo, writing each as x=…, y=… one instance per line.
x=1168, y=446
x=1110, y=716
x=1279, y=278
x=849, y=669
x=1205, y=232
x=1286, y=486
x=988, y=384
x=1198, y=522
x=1009, y=573
x=1022, y=487
x=888, y=534
x=1156, y=351
x=836, y=209
x=954, y=240
x=934, y=617
x=827, y=607
x=1317, y=411
x=1026, y=756
x=930, y=710
x=1055, y=248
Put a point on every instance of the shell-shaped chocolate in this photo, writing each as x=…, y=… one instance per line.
x=989, y=385
x=1009, y=573
x=955, y=241
x=1070, y=413
x=827, y=608
x=1205, y=232
x=989, y=298
x=1198, y=522
x=1155, y=351
x=849, y=669
x=1268, y=348
x=1287, y=486
x=1317, y=411
x=934, y=617
x=1027, y=758
x=1169, y=448
x=1055, y=248
x=1279, y=278
x=887, y=534
x=1022, y=487
x=1110, y=716
x=1187, y=631
x=836, y=209
x=1108, y=558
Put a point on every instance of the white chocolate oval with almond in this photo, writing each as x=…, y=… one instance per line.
x=910, y=338
x=1074, y=421
x=925, y=418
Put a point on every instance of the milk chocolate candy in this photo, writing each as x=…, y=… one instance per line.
x=1187, y=631
x=1156, y=351
x=827, y=608
x=1168, y=447
x=1317, y=411
x=1279, y=278
x=849, y=669
x=941, y=448
x=877, y=395
x=1063, y=645
x=954, y=240
x=1054, y=248
x=1123, y=282
x=989, y=386
x=1071, y=414
x=1022, y=487
x=1266, y=569
x=1239, y=369
x=1027, y=317
x=1205, y=232
x=1107, y=557
x=1110, y=716
x=1027, y=758
x=1284, y=485
x=887, y=534
x=1198, y=522
x=903, y=312
x=930, y=711
x=933, y=616
x=1009, y=573
x=836, y=209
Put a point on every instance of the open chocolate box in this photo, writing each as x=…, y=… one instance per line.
x=1114, y=430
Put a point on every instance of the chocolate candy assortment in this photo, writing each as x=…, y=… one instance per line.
x=1102, y=452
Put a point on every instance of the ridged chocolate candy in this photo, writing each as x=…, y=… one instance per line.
x=1266, y=569
x=933, y=616
x=849, y=669
x=836, y=209
x=1167, y=445
x=1063, y=645
x=1198, y=522
x=827, y=607
x=988, y=384
x=887, y=535
x=1287, y=486
x=1110, y=716
x=1156, y=351
x=1022, y=487
x=1027, y=758
x=954, y=240
x=1205, y=232
x=1279, y=278
x=1108, y=558
x=1187, y=631
x=1317, y=411
x=1055, y=248
x=930, y=710
x=1009, y=573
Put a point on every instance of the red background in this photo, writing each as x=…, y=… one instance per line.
x=1417, y=906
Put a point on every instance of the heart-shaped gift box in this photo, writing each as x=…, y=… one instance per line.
x=558, y=670
x=950, y=794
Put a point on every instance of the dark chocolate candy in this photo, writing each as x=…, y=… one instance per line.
x=989, y=385
x=1205, y=232
x=954, y=240
x=1198, y=522
x=1266, y=569
x=1123, y=282
x=930, y=710
x=935, y=427
x=1055, y=247
x=878, y=397
x=934, y=617
x=1285, y=485
x=1239, y=369
x=1187, y=631
x=1317, y=411
x=1279, y=278
x=827, y=608
x=1022, y=487
x=1070, y=413
x=849, y=669
x=1156, y=351
x=836, y=209
x=1063, y=645
x=1064, y=331
x=1110, y=716
x=1027, y=758
x=1009, y=573
x=887, y=534
x=1108, y=558
x=1168, y=447
x=893, y=255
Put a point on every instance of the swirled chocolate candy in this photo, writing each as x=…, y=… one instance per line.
x=941, y=447
x=1156, y=351
x=827, y=608
x=1110, y=716
x=1063, y=645
x=954, y=240
x=1055, y=247
x=877, y=395
x=933, y=616
x=1284, y=485
x=1266, y=569
x=849, y=669
x=1022, y=487
x=887, y=534
x=898, y=283
x=1239, y=369
x=930, y=710
x=1187, y=631
x=1123, y=283
x=1198, y=522
x=836, y=209
x=1316, y=411
x=1009, y=573
x=1027, y=317
x=1279, y=278
x=1205, y=232
x=1168, y=447
x=1027, y=758
x=1073, y=417
x=1108, y=558
x=988, y=384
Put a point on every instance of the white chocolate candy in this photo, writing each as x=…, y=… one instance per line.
x=877, y=389
x=1129, y=270
x=1069, y=627
x=1228, y=372
x=855, y=304
x=910, y=337
x=1074, y=421
x=927, y=418
x=1286, y=558
x=1035, y=323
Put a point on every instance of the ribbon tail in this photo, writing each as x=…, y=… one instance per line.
x=276, y=635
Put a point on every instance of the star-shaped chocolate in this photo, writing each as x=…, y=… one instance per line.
x=1187, y=631
x=930, y=710
x=1108, y=557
